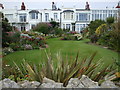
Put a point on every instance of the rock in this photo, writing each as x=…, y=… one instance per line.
x=74, y=83
x=51, y=85
x=108, y=84
x=35, y=84
x=48, y=83
x=46, y=80
x=27, y=84
x=88, y=83
x=7, y=83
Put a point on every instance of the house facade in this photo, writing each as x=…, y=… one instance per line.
x=69, y=18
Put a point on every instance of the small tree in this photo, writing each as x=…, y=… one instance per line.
x=5, y=28
x=54, y=24
x=110, y=20
x=94, y=25
x=43, y=28
x=58, y=31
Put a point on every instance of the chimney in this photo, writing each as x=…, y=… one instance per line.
x=87, y=6
x=118, y=6
x=23, y=6
x=1, y=6
x=53, y=6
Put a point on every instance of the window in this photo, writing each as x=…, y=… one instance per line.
x=96, y=16
x=101, y=16
x=34, y=15
x=23, y=28
x=32, y=26
x=68, y=26
x=77, y=27
x=68, y=15
x=22, y=17
x=82, y=17
x=55, y=16
x=46, y=17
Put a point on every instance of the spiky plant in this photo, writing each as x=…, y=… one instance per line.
x=61, y=70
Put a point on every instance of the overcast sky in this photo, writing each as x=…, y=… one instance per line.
x=46, y=4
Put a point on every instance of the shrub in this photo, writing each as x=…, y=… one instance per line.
x=68, y=37
x=94, y=38
x=58, y=31
x=6, y=51
x=16, y=46
x=43, y=28
x=104, y=39
x=94, y=25
x=28, y=47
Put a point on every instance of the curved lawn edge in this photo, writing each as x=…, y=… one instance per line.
x=69, y=48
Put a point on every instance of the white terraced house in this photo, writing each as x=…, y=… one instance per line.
x=69, y=18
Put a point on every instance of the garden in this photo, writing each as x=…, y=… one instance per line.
x=48, y=51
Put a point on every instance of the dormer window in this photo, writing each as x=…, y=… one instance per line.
x=34, y=14
x=68, y=14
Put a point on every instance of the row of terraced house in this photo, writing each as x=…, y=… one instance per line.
x=69, y=18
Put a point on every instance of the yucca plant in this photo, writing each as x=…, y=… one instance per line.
x=62, y=70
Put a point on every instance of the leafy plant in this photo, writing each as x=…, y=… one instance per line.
x=61, y=70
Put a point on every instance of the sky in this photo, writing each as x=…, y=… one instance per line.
x=46, y=4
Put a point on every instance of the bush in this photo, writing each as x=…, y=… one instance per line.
x=28, y=47
x=94, y=38
x=6, y=51
x=58, y=31
x=43, y=28
x=16, y=46
x=68, y=37
x=104, y=39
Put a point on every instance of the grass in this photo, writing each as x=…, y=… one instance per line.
x=67, y=49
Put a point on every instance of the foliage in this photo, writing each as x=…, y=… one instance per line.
x=94, y=25
x=68, y=37
x=16, y=46
x=14, y=37
x=54, y=24
x=104, y=39
x=110, y=20
x=94, y=38
x=43, y=28
x=34, y=42
x=111, y=38
x=72, y=35
x=5, y=28
x=85, y=32
x=6, y=51
x=58, y=31
x=26, y=42
x=103, y=28
x=63, y=70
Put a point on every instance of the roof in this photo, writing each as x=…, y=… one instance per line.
x=68, y=11
x=34, y=11
x=81, y=10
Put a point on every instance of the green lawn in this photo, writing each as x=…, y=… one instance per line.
x=66, y=48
